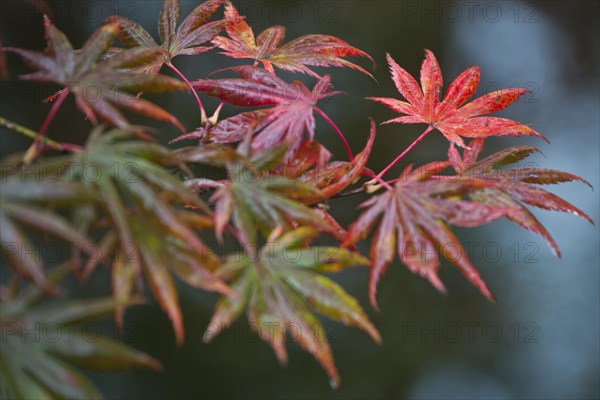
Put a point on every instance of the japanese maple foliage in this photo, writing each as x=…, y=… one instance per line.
x=189, y=38
x=451, y=115
x=272, y=199
x=294, y=56
x=291, y=116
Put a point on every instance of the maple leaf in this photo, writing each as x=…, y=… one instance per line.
x=449, y=115
x=333, y=177
x=148, y=233
x=185, y=39
x=254, y=200
x=291, y=114
x=514, y=186
x=305, y=180
x=30, y=203
x=413, y=220
x=294, y=56
x=281, y=286
x=99, y=86
x=43, y=365
x=310, y=154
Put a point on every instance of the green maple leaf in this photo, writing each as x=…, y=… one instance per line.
x=254, y=200
x=282, y=287
x=34, y=205
x=44, y=343
x=148, y=231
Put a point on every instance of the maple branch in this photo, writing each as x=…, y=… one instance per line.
x=13, y=126
x=409, y=148
x=337, y=130
x=203, y=117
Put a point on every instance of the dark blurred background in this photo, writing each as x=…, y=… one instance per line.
x=542, y=338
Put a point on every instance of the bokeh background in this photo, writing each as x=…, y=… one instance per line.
x=542, y=338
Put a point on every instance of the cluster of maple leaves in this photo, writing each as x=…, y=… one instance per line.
x=280, y=178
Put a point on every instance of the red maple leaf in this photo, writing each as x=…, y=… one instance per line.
x=333, y=177
x=294, y=56
x=413, y=221
x=511, y=187
x=423, y=104
x=291, y=116
x=414, y=216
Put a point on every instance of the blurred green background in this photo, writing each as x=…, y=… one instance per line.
x=542, y=338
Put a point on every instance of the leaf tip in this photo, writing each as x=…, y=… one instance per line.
x=280, y=352
x=334, y=382
x=373, y=297
x=487, y=292
x=591, y=221
x=557, y=253
x=376, y=336
x=208, y=336
x=179, y=125
x=435, y=280
x=154, y=364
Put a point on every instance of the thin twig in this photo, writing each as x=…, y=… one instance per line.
x=203, y=117
x=13, y=126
